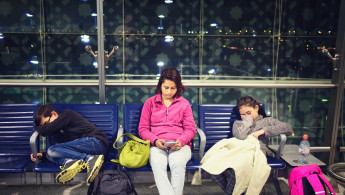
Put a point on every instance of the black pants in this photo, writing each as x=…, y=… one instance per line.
x=226, y=180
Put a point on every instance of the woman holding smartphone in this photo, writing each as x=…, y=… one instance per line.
x=167, y=121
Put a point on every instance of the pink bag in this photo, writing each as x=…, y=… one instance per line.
x=309, y=179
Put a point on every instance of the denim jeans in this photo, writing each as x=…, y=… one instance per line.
x=82, y=148
x=177, y=160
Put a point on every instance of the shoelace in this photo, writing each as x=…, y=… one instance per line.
x=62, y=167
x=83, y=166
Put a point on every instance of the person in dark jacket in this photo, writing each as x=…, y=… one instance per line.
x=82, y=144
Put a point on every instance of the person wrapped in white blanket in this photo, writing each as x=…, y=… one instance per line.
x=239, y=164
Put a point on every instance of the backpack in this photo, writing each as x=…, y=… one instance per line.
x=307, y=180
x=111, y=182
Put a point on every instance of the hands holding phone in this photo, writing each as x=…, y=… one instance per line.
x=166, y=145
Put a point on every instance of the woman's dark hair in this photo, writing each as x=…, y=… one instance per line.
x=173, y=75
x=43, y=111
x=249, y=101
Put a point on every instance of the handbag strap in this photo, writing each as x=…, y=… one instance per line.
x=132, y=137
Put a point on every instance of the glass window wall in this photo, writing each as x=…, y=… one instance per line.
x=208, y=41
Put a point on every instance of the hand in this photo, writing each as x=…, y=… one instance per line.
x=177, y=146
x=160, y=144
x=256, y=134
x=39, y=156
x=246, y=117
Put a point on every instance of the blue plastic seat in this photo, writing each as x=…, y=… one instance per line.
x=16, y=127
x=104, y=116
x=131, y=119
x=216, y=121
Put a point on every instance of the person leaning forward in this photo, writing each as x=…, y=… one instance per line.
x=82, y=144
x=165, y=117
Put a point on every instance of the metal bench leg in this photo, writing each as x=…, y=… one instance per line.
x=132, y=176
x=54, y=176
x=23, y=178
x=276, y=182
x=37, y=182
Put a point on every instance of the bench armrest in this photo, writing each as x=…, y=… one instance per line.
x=119, y=134
x=202, y=142
x=33, y=144
x=281, y=145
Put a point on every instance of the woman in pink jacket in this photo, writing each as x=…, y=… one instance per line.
x=165, y=117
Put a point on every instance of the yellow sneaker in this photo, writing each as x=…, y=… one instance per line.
x=94, y=164
x=69, y=170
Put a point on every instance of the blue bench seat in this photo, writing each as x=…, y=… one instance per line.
x=16, y=127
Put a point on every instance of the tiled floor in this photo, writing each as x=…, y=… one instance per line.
x=207, y=188
x=144, y=185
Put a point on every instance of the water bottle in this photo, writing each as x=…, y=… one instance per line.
x=304, y=150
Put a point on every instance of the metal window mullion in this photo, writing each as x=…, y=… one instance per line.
x=201, y=45
x=100, y=55
x=336, y=94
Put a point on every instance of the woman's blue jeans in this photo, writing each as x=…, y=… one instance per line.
x=82, y=148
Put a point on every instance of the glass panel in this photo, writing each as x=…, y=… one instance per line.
x=161, y=17
x=310, y=18
x=72, y=95
x=304, y=109
x=233, y=43
x=39, y=38
x=250, y=18
x=302, y=58
x=71, y=16
x=115, y=63
x=138, y=95
x=233, y=58
x=66, y=57
x=20, y=16
x=20, y=56
x=17, y=95
x=339, y=156
x=113, y=20
x=147, y=56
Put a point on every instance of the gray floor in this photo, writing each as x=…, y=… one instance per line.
x=206, y=188
x=144, y=185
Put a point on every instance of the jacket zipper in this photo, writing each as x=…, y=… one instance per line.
x=166, y=115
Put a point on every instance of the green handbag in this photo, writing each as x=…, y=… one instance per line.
x=135, y=153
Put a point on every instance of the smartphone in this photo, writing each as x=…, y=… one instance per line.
x=169, y=144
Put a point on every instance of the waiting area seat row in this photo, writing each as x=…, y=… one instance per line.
x=18, y=138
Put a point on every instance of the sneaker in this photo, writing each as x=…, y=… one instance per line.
x=69, y=170
x=93, y=165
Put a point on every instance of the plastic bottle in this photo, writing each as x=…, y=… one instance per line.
x=304, y=150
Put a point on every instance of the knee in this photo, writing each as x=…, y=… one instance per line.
x=54, y=151
x=177, y=163
x=158, y=163
x=51, y=152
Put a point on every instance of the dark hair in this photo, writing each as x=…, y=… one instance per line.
x=43, y=111
x=173, y=75
x=249, y=101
